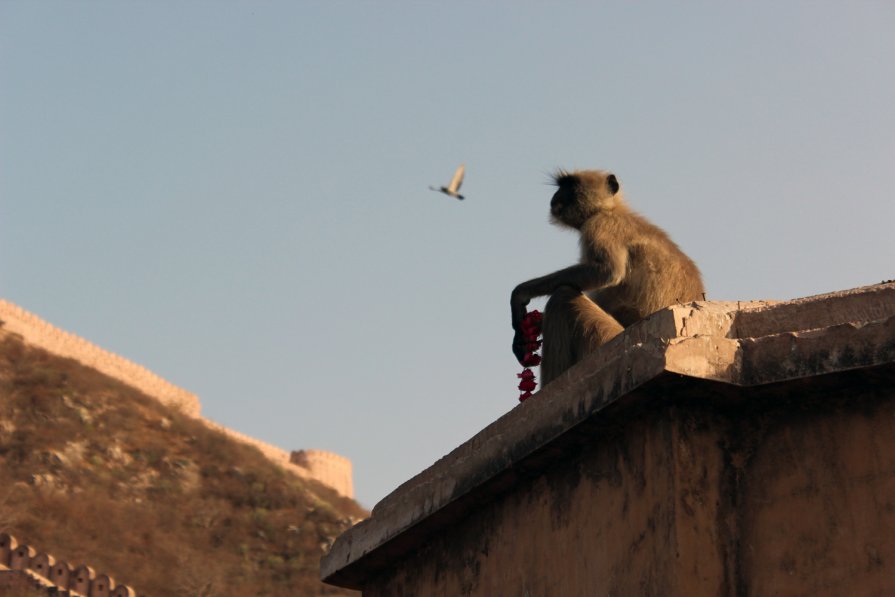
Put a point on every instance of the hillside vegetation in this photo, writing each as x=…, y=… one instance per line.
x=93, y=471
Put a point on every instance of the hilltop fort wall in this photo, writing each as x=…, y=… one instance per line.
x=330, y=469
x=327, y=468
x=38, y=332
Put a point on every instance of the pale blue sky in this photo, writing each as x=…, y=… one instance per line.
x=234, y=194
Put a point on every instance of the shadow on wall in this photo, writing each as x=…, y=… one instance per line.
x=51, y=573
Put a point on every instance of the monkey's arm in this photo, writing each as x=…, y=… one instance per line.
x=591, y=275
x=604, y=268
x=584, y=276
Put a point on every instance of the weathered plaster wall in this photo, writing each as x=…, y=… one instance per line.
x=609, y=518
x=687, y=499
x=816, y=498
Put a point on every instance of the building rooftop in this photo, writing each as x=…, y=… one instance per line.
x=731, y=344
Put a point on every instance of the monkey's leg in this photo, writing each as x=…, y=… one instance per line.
x=573, y=327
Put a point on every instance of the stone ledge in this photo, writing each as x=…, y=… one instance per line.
x=740, y=344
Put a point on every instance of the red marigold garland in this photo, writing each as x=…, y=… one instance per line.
x=531, y=331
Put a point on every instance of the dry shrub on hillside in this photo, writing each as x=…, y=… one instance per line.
x=108, y=476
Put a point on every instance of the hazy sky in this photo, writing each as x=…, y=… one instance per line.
x=234, y=194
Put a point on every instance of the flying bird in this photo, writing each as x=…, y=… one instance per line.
x=454, y=186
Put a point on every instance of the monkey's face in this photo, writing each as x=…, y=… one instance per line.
x=565, y=209
x=582, y=195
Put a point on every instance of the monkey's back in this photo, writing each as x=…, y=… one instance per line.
x=657, y=273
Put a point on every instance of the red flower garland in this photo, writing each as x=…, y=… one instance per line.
x=531, y=331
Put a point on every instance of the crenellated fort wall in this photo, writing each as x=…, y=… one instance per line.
x=327, y=468
x=54, y=576
x=38, y=332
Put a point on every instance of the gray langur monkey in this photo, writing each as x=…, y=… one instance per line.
x=629, y=268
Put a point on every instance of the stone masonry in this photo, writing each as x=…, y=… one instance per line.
x=328, y=468
x=38, y=332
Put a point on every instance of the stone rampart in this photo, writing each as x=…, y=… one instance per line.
x=57, y=576
x=327, y=468
x=38, y=332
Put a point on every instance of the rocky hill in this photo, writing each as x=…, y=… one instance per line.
x=94, y=471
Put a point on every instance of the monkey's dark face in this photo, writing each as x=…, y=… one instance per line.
x=565, y=209
x=582, y=195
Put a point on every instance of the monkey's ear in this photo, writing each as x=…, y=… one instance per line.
x=612, y=183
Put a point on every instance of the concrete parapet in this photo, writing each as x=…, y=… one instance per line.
x=710, y=449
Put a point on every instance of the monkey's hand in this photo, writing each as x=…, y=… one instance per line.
x=520, y=346
x=518, y=301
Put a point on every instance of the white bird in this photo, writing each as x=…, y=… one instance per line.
x=454, y=186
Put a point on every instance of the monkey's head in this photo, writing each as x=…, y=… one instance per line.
x=582, y=194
